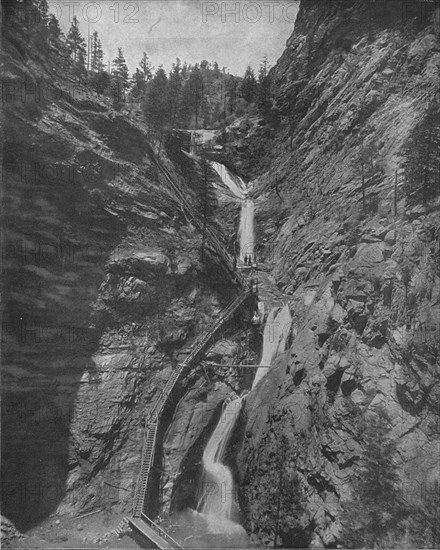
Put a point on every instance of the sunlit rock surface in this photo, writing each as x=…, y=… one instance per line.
x=357, y=345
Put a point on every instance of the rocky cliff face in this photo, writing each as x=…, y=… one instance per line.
x=361, y=276
x=103, y=286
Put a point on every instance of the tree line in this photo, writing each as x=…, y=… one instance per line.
x=201, y=95
x=188, y=96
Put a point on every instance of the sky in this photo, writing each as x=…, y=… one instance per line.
x=233, y=33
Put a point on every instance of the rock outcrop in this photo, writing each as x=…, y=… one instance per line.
x=104, y=284
x=361, y=278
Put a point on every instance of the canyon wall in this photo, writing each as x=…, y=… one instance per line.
x=103, y=284
x=361, y=275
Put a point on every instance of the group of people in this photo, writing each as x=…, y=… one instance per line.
x=248, y=259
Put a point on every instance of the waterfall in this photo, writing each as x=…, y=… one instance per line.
x=239, y=189
x=276, y=330
x=246, y=229
x=217, y=503
x=234, y=183
x=217, y=498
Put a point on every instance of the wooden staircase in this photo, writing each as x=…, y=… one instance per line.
x=153, y=413
x=139, y=520
x=160, y=538
x=147, y=462
x=212, y=239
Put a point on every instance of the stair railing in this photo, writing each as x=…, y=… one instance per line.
x=153, y=414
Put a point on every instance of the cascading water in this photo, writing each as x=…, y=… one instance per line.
x=217, y=506
x=240, y=191
x=217, y=499
x=234, y=183
x=274, y=339
x=218, y=487
x=246, y=230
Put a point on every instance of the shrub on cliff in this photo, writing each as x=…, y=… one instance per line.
x=280, y=505
x=373, y=515
x=422, y=162
x=425, y=519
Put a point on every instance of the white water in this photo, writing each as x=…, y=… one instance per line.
x=196, y=530
x=218, y=485
x=234, y=183
x=246, y=229
x=276, y=331
x=240, y=191
x=217, y=503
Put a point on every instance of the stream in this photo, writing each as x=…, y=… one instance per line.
x=215, y=523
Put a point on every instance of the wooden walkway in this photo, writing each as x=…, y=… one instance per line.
x=155, y=534
x=212, y=240
x=153, y=413
x=139, y=521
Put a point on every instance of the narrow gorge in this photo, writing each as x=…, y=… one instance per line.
x=226, y=336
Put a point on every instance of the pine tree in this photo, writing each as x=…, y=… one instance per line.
x=80, y=66
x=184, y=71
x=264, y=100
x=96, y=54
x=281, y=505
x=263, y=70
x=54, y=29
x=249, y=85
x=43, y=9
x=137, y=84
x=141, y=77
x=155, y=106
x=195, y=92
x=146, y=67
x=40, y=26
x=120, y=69
x=175, y=92
x=101, y=82
x=422, y=164
x=376, y=509
x=425, y=518
x=75, y=42
x=99, y=78
x=120, y=79
x=231, y=91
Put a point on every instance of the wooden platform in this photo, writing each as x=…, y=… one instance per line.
x=151, y=534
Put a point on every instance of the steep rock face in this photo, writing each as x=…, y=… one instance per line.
x=362, y=281
x=104, y=286
x=199, y=409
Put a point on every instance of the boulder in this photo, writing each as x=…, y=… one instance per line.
x=141, y=262
x=390, y=237
x=357, y=315
x=331, y=366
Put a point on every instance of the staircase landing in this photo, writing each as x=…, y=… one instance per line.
x=153, y=535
